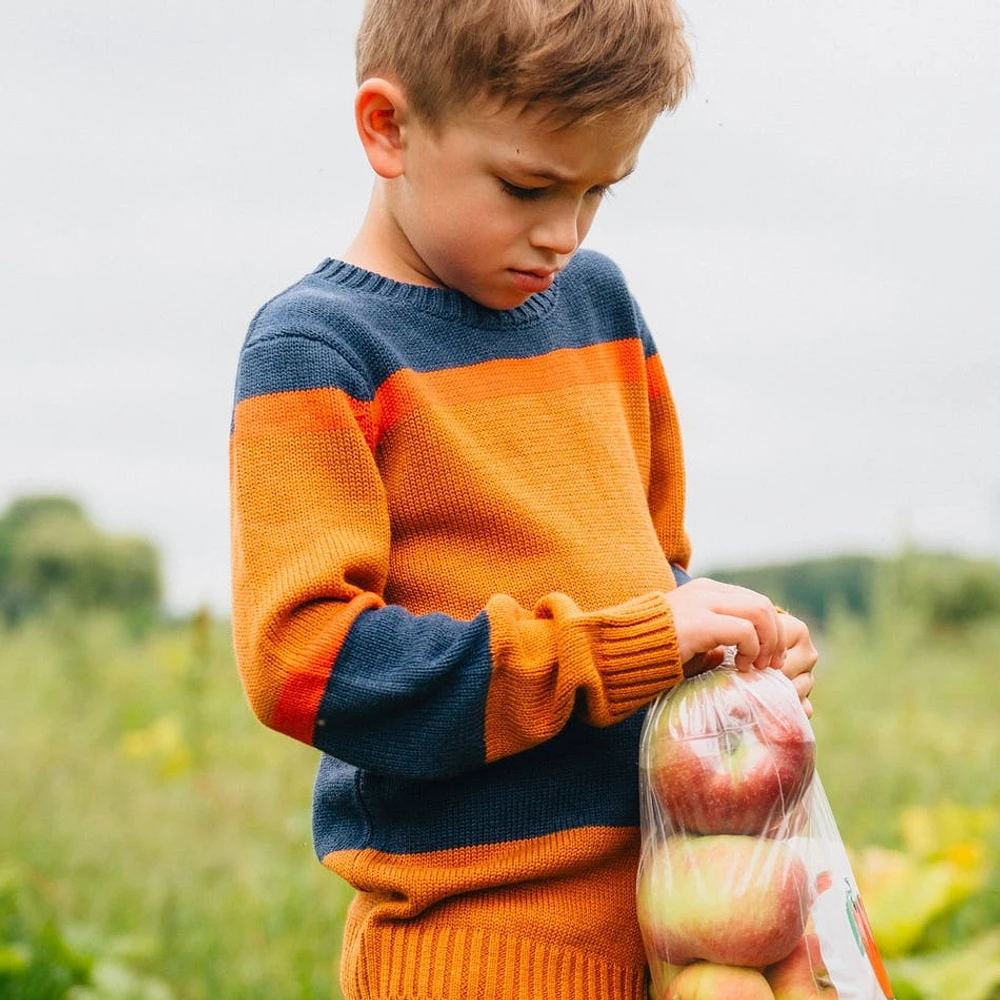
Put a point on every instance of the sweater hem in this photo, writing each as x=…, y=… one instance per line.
x=456, y=963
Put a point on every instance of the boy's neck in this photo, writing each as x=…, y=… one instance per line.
x=381, y=247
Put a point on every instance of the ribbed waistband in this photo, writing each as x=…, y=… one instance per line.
x=435, y=962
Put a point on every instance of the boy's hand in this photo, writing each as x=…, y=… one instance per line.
x=771, y=638
x=708, y=614
x=800, y=658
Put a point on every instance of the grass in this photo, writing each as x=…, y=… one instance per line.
x=140, y=799
x=906, y=715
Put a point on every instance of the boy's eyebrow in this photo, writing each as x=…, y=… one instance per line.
x=556, y=176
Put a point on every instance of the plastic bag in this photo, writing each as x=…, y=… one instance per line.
x=745, y=890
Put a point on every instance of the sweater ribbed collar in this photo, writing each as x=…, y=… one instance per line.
x=445, y=303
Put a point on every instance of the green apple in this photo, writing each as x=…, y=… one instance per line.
x=802, y=975
x=661, y=974
x=729, y=751
x=727, y=899
x=708, y=981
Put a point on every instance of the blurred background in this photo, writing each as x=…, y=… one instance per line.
x=813, y=237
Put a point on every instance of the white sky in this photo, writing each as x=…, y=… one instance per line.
x=814, y=238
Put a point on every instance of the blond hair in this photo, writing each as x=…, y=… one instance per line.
x=578, y=59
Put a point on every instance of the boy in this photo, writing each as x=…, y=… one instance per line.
x=458, y=509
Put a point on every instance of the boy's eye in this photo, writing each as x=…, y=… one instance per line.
x=522, y=193
x=534, y=193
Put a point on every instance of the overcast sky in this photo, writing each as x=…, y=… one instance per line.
x=814, y=238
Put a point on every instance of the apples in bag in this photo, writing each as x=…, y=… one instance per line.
x=745, y=891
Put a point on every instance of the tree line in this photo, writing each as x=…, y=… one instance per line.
x=946, y=590
x=54, y=559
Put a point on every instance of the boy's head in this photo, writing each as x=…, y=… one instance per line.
x=580, y=59
x=495, y=127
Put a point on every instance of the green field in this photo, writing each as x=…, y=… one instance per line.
x=155, y=839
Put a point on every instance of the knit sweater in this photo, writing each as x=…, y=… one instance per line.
x=452, y=532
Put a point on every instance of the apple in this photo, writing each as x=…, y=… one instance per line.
x=802, y=975
x=662, y=974
x=708, y=981
x=729, y=751
x=727, y=899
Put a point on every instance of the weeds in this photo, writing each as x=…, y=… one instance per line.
x=157, y=838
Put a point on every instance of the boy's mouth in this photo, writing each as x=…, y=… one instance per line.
x=533, y=281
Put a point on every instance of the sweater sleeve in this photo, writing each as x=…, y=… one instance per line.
x=666, y=485
x=325, y=659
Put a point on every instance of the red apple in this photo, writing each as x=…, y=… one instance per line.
x=708, y=981
x=802, y=975
x=727, y=899
x=730, y=751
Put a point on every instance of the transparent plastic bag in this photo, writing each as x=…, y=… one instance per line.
x=745, y=890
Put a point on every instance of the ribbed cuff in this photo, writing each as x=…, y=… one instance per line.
x=634, y=646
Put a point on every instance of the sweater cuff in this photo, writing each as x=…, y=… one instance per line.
x=635, y=649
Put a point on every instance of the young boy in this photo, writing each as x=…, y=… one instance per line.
x=457, y=503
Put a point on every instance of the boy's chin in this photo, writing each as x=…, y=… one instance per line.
x=503, y=304
x=500, y=298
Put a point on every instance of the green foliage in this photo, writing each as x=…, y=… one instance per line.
x=907, y=743
x=815, y=590
x=54, y=560
x=944, y=590
x=948, y=591
x=40, y=960
x=141, y=800
x=36, y=962
x=970, y=971
x=944, y=864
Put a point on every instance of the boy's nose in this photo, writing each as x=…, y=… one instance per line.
x=558, y=233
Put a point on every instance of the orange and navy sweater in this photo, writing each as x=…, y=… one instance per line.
x=452, y=532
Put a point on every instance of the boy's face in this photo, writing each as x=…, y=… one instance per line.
x=494, y=202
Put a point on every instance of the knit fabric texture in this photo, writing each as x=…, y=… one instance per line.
x=452, y=533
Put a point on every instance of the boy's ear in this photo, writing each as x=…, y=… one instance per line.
x=380, y=114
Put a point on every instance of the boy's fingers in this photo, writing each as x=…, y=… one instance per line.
x=804, y=684
x=711, y=614
x=763, y=617
x=741, y=633
x=802, y=654
x=701, y=662
x=768, y=648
